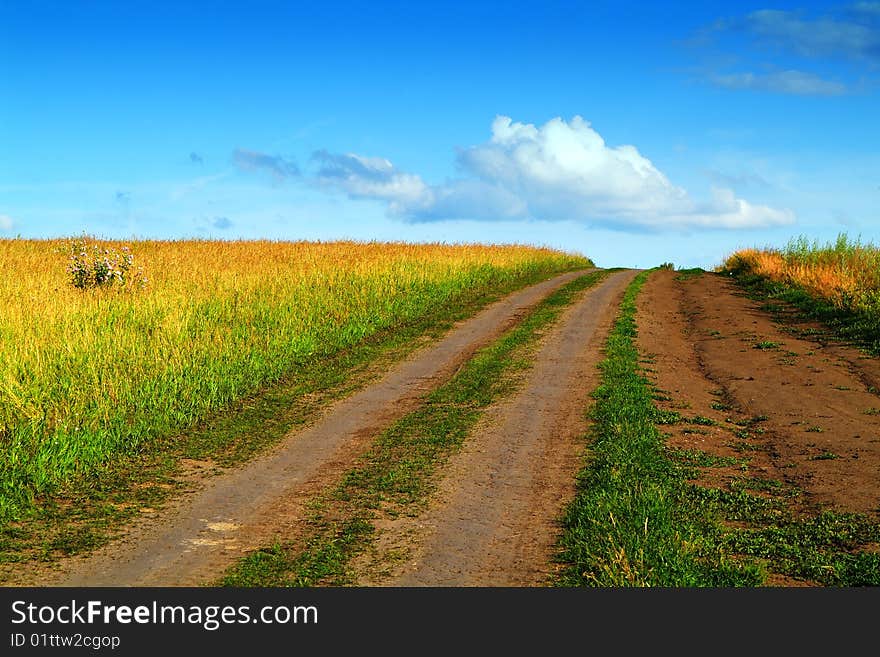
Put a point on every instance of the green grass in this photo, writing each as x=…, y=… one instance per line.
x=637, y=520
x=629, y=524
x=396, y=475
x=829, y=548
x=825, y=549
x=700, y=459
x=90, y=377
x=766, y=344
x=687, y=274
x=86, y=512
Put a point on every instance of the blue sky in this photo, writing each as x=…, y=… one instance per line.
x=634, y=133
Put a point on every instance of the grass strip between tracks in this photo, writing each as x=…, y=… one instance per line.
x=395, y=476
x=88, y=512
x=639, y=519
x=627, y=525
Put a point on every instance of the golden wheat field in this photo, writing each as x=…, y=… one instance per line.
x=87, y=374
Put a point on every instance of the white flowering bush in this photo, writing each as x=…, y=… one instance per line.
x=91, y=265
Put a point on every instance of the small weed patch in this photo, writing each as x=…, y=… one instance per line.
x=766, y=344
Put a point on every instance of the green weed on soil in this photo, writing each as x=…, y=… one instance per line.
x=631, y=523
x=640, y=517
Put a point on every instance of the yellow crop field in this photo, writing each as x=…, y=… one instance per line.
x=86, y=374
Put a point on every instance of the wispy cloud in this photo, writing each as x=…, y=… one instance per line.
x=195, y=158
x=783, y=82
x=223, y=223
x=371, y=177
x=276, y=165
x=558, y=171
x=857, y=36
x=782, y=49
x=6, y=222
x=872, y=8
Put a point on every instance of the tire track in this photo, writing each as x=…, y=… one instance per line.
x=249, y=506
x=494, y=521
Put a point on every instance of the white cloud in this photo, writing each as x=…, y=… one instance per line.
x=372, y=177
x=727, y=211
x=565, y=170
x=5, y=222
x=558, y=171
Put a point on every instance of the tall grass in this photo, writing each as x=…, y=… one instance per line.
x=836, y=281
x=845, y=272
x=88, y=375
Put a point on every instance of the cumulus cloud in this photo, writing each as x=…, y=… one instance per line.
x=725, y=210
x=274, y=164
x=565, y=170
x=558, y=171
x=784, y=82
x=5, y=222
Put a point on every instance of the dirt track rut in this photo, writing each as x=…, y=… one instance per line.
x=719, y=355
x=494, y=521
x=247, y=507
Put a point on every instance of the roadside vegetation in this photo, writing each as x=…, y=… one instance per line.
x=397, y=474
x=93, y=374
x=630, y=523
x=837, y=283
x=647, y=515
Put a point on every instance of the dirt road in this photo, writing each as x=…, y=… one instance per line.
x=494, y=521
x=246, y=508
x=805, y=412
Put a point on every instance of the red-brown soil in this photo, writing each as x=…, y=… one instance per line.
x=801, y=410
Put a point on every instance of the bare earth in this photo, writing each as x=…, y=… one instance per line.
x=494, y=520
x=248, y=507
x=709, y=344
x=813, y=409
